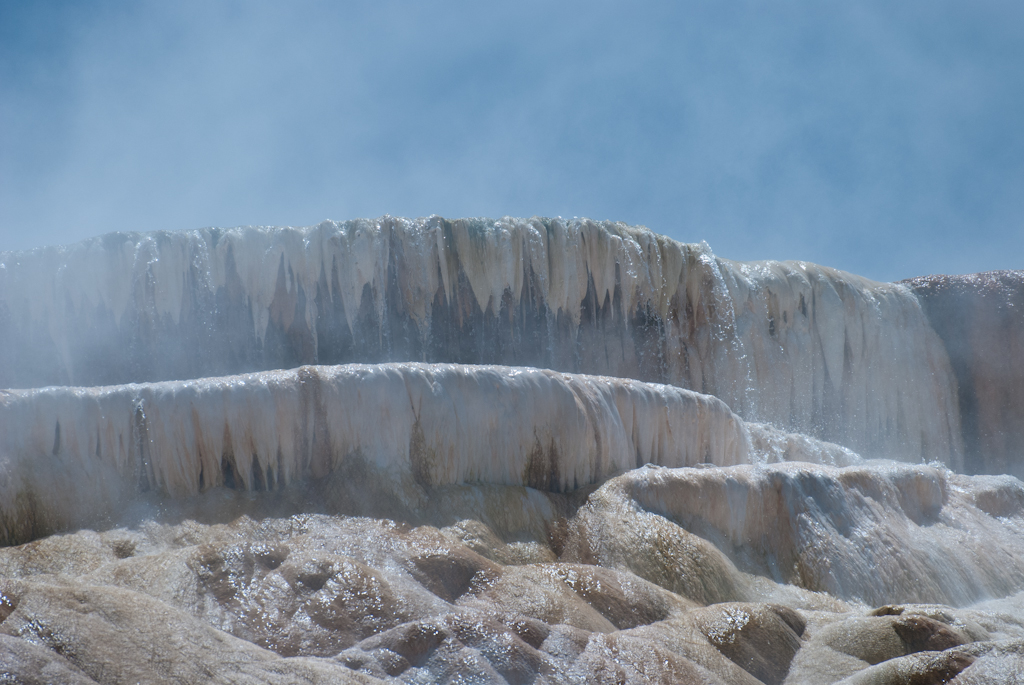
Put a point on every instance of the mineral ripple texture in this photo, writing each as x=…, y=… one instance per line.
x=514, y=450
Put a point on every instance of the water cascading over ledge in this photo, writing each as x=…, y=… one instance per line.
x=802, y=347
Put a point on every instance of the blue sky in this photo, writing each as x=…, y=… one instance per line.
x=882, y=138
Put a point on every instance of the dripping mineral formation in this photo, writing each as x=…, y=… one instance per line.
x=503, y=451
x=803, y=347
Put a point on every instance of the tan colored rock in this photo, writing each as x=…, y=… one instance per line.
x=760, y=638
x=115, y=636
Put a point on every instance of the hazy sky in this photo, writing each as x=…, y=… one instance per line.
x=884, y=138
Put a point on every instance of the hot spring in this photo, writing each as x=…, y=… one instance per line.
x=515, y=450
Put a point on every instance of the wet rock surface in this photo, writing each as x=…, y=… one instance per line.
x=596, y=590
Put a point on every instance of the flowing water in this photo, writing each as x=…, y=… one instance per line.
x=503, y=451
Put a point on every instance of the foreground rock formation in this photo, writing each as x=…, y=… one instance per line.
x=743, y=574
x=555, y=452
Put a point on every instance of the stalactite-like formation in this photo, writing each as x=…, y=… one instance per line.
x=802, y=347
x=75, y=454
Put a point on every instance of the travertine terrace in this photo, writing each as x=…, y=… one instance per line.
x=515, y=450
